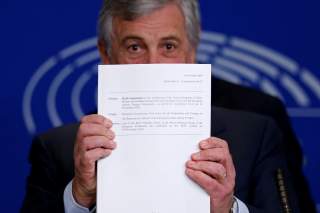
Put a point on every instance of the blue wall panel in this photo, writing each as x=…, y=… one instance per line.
x=48, y=69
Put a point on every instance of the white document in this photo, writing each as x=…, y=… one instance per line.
x=160, y=112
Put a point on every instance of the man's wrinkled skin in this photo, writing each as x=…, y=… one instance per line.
x=159, y=37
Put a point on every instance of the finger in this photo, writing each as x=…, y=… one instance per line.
x=219, y=155
x=93, y=142
x=90, y=157
x=231, y=171
x=92, y=129
x=213, y=169
x=213, y=142
x=216, y=154
x=97, y=119
x=205, y=181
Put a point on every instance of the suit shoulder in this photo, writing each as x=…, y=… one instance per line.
x=243, y=124
x=241, y=95
x=240, y=116
x=62, y=132
x=58, y=141
x=51, y=159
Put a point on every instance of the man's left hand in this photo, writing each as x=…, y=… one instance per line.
x=212, y=168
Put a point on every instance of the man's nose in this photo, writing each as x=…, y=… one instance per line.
x=154, y=57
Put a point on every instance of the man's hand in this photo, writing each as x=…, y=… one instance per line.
x=94, y=141
x=212, y=168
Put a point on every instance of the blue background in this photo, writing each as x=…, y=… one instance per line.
x=33, y=31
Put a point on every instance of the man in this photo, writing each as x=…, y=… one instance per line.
x=145, y=31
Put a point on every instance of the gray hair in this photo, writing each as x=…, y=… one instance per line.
x=132, y=9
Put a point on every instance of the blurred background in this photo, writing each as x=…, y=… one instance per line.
x=49, y=63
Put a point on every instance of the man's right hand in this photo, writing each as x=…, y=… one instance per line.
x=95, y=140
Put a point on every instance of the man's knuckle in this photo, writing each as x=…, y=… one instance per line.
x=206, y=156
x=207, y=184
x=211, y=140
x=223, y=143
x=99, y=119
x=85, y=142
x=232, y=184
x=205, y=166
x=108, y=122
x=220, y=169
x=195, y=174
x=101, y=153
x=211, y=185
x=110, y=133
x=226, y=145
x=108, y=151
x=207, y=153
x=83, y=127
x=83, y=119
x=225, y=153
x=228, y=189
x=83, y=163
x=87, y=157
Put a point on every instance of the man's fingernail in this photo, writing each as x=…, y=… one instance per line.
x=114, y=144
x=188, y=171
x=196, y=156
x=203, y=144
x=107, y=123
x=191, y=164
x=111, y=135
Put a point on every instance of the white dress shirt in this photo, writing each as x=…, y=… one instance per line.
x=71, y=206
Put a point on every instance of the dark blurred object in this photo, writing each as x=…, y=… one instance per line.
x=232, y=96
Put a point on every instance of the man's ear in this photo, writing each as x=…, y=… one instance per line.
x=105, y=58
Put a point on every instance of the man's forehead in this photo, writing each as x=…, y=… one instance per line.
x=165, y=22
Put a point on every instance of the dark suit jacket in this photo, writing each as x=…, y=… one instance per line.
x=232, y=96
x=254, y=142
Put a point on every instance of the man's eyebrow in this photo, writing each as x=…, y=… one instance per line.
x=128, y=37
x=171, y=37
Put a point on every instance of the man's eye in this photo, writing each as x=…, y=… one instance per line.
x=170, y=46
x=134, y=48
